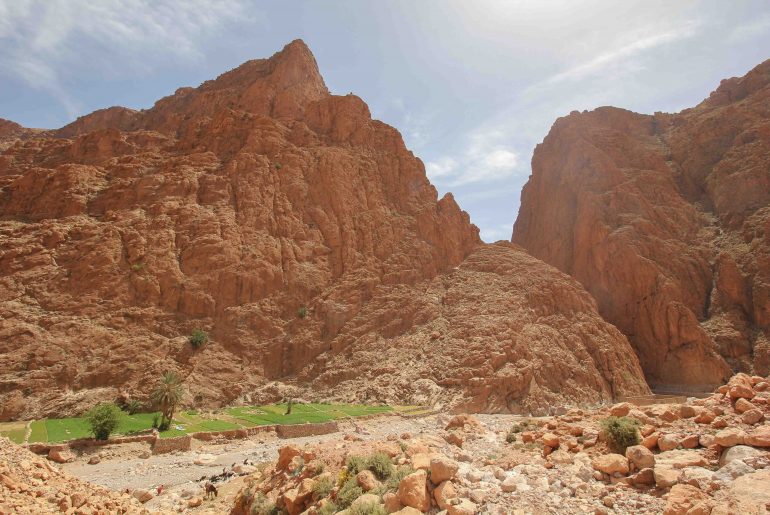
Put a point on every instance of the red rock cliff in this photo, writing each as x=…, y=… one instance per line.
x=665, y=220
x=262, y=209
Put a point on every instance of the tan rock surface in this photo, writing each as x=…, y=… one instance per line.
x=664, y=219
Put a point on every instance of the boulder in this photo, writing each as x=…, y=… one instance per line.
x=742, y=406
x=752, y=416
x=391, y=502
x=366, y=480
x=551, y=440
x=729, y=437
x=651, y=441
x=759, y=437
x=413, y=491
x=640, y=456
x=621, y=409
x=687, y=500
x=61, y=455
x=286, y=455
x=442, y=469
x=668, y=442
x=665, y=476
x=690, y=441
x=750, y=493
x=705, y=417
x=699, y=477
x=444, y=492
x=142, y=495
x=680, y=459
x=740, y=392
x=421, y=460
x=611, y=463
x=461, y=507
x=644, y=477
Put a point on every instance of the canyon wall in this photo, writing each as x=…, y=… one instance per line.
x=665, y=219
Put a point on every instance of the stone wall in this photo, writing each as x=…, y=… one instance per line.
x=164, y=445
x=298, y=430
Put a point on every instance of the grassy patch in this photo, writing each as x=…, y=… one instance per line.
x=62, y=429
x=38, y=431
x=15, y=435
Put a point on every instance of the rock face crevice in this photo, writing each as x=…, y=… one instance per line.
x=275, y=216
x=664, y=219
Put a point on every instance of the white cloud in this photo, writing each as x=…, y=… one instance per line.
x=641, y=42
x=496, y=232
x=442, y=167
x=42, y=40
x=487, y=158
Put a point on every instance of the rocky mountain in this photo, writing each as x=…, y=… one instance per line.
x=665, y=219
x=294, y=229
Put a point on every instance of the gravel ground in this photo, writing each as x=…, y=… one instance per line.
x=122, y=469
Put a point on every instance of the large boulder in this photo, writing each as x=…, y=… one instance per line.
x=413, y=491
x=640, y=456
x=759, y=437
x=687, y=500
x=442, y=469
x=611, y=464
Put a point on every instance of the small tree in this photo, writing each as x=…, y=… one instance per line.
x=288, y=406
x=198, y=338
x=302, y=312
x=103, y=419
x=133, y=407
x=166, y=397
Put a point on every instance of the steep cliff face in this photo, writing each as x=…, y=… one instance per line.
x=665, y=220
x=257, y=207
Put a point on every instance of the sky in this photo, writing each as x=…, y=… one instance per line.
x=473, y=86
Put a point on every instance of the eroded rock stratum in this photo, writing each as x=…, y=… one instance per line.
x=665, y=220
x=297, y=231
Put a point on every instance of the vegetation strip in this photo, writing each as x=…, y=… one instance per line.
x=56, y=430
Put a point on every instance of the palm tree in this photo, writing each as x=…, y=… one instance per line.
x=167, y=396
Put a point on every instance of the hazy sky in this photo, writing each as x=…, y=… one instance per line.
x=472, y=85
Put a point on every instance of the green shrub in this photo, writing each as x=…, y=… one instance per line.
x=323, y=487
x=371, y=508
x=355, y=464
x=261, y=505
x=302, y=312
x=622, y=432
x=379, y=463
x=198, y=338
x=328, y=508
x=137, y=267
x=278, y=166
x=319, y=467
x=103, y=419
x=349, y=492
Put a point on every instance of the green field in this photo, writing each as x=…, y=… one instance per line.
x=56, y=430
x=15, y=431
